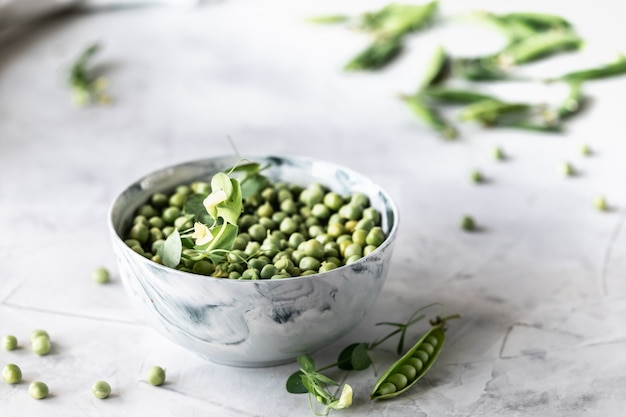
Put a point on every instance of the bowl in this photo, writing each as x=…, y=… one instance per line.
x=252, y=323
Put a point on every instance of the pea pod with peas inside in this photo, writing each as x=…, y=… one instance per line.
x=411, y=367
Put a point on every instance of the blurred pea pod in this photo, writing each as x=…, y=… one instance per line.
x=328, y=19
x=538, y=21
x=438, y=68
x=615, y=68
x=443, y=95
x=395, y=20
x=489, y=112
x=514, y=30
x=378, y=54
x=477, y=69
x=429, y=116
x=574, y=102
x=537, y=46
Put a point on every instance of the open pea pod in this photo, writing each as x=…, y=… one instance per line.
x=399, y=377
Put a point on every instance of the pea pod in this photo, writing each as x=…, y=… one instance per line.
x=429, y=116
x=445, y=95
x=478, y=69
x=396, y=20
x=573, y=103
x=422, y=355
x=328, y=19
x=489, y=111
x=538, y=21
x=376, y=55
x=538, y=46
x=617, y=67
x=438, y=68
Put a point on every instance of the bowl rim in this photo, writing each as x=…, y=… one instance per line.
x=391, y=205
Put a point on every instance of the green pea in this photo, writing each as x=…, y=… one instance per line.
x=288, y=226
x=38, y=390
x=37, y=333
x=372, y=214
x=351, y=212
x=432, y=340
x=334, y=260
x=314, y=248
x=257, y=263
x=11, y=374
x=147, y=211
x=281, y=276
x=308, y=272
x=279, y=216
x=156, y=221
x=375, y=236
x=247, y=220
x=167, y=230
x=416, y=363
x=183, y=190
x=335, y=218
x=327, y=266
x=234, y=275
x=250, y=273
x=156, y=376
x=203, y=268
x=399, y=380
x=159, y=200
x=257, y=232
x=600, y=203
x=177, y=200
x=408, y=371
x=9, y=342
x=350, y=226
x=498, y=154
x=183, y=223
x=139, y=232
x=252, y=248
x=132, y=242
x=270, y=249
x=289, y=206
x=343, y=245
x=265, y=210
x=100, y=275
x=140, y=220
x=312, y=195
x=316, y=230
x=269, y=271
x=320, y=211
x=421, y=355
x=241, y=242
x=333, y=201
x=369, y=249
x=352, y=259
x=101, y=389
x=359, y=236
x=170, y=214
x=335, y=229
x=138, y=249
x=353, y=249
x=360, y=200
x=309, y=263
x=427, y=347
x=155, y=234
x=269, y=194
x=201, y=187
x=386, y=388
x=468, y=223
x=284, y=194
x=40, y=345
x=268, y=223
x=364, y=224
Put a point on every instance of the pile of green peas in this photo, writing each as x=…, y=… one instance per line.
x=284, y=231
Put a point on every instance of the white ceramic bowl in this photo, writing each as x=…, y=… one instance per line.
x=252, y=323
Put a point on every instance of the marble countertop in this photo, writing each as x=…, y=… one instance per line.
x=540, y=287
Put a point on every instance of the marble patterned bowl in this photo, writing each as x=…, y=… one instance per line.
x=252, y=323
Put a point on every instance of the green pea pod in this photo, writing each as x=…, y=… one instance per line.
x=538, y=46
x=438, y=68
x=490, y=111
x=328, y=20
x=435, y=333
x=445, y=95
x=618, y=67
x=537, y=21
x=530, y=126
x=376, y=56
x=429, y=116
x=513, y=29
x=478, y=69
x=396, y=20
x=574, y=102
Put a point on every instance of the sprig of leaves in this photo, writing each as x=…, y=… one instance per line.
x=215, y=215
x=86, y=86
x=354, y=357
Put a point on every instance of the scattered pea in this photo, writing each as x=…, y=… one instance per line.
x=100, y=275
x=600, y=203
x=498, y=154
x=9, y=342
x=11, y=374
x=476, y=176
x=38, y=390
x=156, y=376
x=567, y=169
x=40, y=345
x=36, y=333
x=586, y=150
x=101, y=389
x=467, y=223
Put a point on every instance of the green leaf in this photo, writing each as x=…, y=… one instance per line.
x=360, y=357
x=344, y=361
x=221, y=181
x=171, y=250
x=223, y=237
x=307, y=363
x=231, y=209
x=294, y=383
x=252, y=184
x=324, y=379
x=194, y=205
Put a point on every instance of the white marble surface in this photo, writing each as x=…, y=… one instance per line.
x=541, y=289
